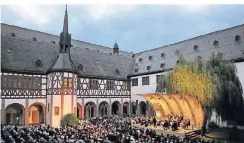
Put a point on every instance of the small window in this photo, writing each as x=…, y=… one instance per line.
x=140, y=59
x=133, y=55
x=137, y=64
x=145, y=80
x=237, y=38
x=93, y=84
x=196, y=48
x=199, y=57
x=38, y=63
x=136, y=70
x=80, y=67
x=34, y=39
x=159, y=78
x=177, y=61
x=53, y=42
x=110, y=53
x=117, y=71
x=216, y=43
x=135, y=82
x=150, y=57
x=148, y=67
x=162, y=55
x=13, y=34
x=162, y=65
x=98, y=51
x=110, y=84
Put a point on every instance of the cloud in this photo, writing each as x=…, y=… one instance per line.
x=98, y=12
x=38, y=14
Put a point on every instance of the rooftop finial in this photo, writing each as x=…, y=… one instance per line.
x=65, y=26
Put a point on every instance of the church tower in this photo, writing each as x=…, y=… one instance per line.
x=62, y=81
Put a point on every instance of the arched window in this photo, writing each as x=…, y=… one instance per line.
x=34, y=39
x=80, y=67
x=53, y=42
x=38, y=63
x=140, y=60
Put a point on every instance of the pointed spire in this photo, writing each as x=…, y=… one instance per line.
x=65, y=26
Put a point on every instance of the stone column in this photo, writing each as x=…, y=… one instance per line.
x=82, y=109
x=27, y=112
x=122, y=107
x=109, y=107
x=3, y=114
x=129, y=107
x=97, y=108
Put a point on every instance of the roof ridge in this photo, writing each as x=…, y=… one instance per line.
x=197, y=37
x=59, y=36
x=44, y=42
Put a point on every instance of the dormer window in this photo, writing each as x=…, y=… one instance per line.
x=53, y=42
x=98, y=51
x=148, y=67
x=34, y=39
x=117, y=71
x=216, y=43
x=177, y=61
x=196, y=48
x=150, y=57
x=136, y=70
x=80, y=67
x=140, y=59
x=133, y=55
x=199, y=57
x=162, y=65
x=13, y=34
x=38, y=63
x=237, y=38
x=162, y=55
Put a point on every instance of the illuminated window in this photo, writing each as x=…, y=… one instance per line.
x=70, y=83
x=124, y=86
x=65, y=83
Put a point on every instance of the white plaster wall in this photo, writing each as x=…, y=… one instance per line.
x=56, y=118
x=240, y=73
x=67, y=104
x=142, y=89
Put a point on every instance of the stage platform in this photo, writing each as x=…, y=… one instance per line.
x=160, y=130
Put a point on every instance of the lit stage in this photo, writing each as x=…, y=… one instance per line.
x=160, y=130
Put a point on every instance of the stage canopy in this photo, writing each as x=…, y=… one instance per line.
x=165, y=104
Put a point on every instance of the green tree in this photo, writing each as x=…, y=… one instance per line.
x=229, y=103
x=69, y=119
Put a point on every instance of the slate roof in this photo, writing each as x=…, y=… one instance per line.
x=19, y=54
x=231, y=49
x=20, y=32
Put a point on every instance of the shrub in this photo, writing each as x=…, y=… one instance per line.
x=69, y=119
x=212, y=125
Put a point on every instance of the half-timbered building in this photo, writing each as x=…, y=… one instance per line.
x=44, y=76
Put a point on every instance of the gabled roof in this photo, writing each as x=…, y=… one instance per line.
x=20, y=55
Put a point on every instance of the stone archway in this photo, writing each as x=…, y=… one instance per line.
x=143, y=108
x=126, y=108
x=90, y=110
x=103, y=109
x=79, y=111
x=116, y=108
x=133, y=112
x=15, y=114
x=36, y=113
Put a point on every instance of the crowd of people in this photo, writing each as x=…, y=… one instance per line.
x=111, y=129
